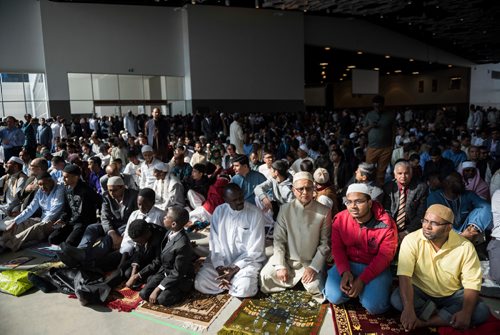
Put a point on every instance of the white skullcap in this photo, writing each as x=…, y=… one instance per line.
x=302, y=175
x=304, y=147
x=358, y=188
x=146, y=148
x=115, y=181
x=16, y=160
x=468, y=165
x=321, y=176
x=353, y=135
x=160, y=166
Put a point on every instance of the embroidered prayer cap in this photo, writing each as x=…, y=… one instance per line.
x=358, y=188
x=442, y=211
x=16, y=159
x=146, y=148
x=468, y=165
x=160, y=166
x=321, y=176
x=115, y=181
x=301, y=176
x=72, y=169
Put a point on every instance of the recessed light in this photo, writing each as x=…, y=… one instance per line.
x=327, y=48
x=322, y=72
x=376, y=68
x=387, y=72
x=411, y=60
x=323, y=64
x=415, y=72
x=397, y=71
x=387, y=56
x=324, y=77
x=449, y=65
x=360, y=52
x=351, y=67
x=344, y=74
x=341, y=79
x=348, y=69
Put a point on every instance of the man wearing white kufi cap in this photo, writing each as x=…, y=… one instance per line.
x=13, y=184
x=301, y=242
x=147, y=178
x=168, y=188
x=364, y=242
x=473, y=181
x=302, y=152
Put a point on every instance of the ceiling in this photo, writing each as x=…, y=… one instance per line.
x=467, y=28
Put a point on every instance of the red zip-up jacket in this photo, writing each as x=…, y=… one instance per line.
x=373, y=244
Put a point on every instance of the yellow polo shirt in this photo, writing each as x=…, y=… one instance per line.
x=442, y=273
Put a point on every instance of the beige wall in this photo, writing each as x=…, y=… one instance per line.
x=403, y=90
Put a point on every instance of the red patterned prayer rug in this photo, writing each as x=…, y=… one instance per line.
x=123, y=299
x=352, y=319
x=291, y=312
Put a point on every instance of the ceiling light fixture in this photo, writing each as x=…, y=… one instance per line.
x=360, y=52
x=387, y=72
x=351, y=67
x=322, y=72
x=327, y=48
x=411, y=60
x=323, y=64
x=397, y=71
x=344, y=74
x=416, y=72
x=376, y=68
x=387, y=56
x=449, y=65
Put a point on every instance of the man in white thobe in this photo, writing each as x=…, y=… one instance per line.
x=168, y=188
x=236, y=248
x=147, y=178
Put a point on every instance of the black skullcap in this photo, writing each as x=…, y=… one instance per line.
x=147, y=193
x=72, y=169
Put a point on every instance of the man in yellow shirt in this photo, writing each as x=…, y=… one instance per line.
x=439, y=276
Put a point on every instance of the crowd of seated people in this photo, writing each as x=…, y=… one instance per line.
x=346, y=194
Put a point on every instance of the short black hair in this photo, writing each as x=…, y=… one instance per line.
x=57, y=160
x=96, y=160
x=435, y=151
x=148, y=193
x=138, y=228
x=44, y=175
x=307, y=166
x=242, y=159
x=179, y=214
x=201, y=168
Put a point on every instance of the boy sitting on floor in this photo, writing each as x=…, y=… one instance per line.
x=148, y=242
x=172, y=274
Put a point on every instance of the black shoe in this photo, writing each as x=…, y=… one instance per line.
x=68, y=261
x=77, y=254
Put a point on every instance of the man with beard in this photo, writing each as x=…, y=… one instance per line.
x=12, y=183
x=439, y=276
x=157, y=132
x=147, y=178
x=236, y=248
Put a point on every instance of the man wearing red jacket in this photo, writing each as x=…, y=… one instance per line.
x=364, y=242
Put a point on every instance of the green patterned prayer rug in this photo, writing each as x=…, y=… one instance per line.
x=290, y=312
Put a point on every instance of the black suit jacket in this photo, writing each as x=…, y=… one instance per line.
x=146, y=254
x=416, y=202
x=111, y=218
x=175, y=262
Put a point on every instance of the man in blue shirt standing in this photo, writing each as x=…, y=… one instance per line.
x=12, y=138
x=24, y=228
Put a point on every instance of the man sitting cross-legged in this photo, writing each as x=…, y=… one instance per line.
x=172, y=273
x=439, y=276
x=236, y=247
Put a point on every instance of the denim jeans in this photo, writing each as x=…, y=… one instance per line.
x=445, y=306
x=375, y=295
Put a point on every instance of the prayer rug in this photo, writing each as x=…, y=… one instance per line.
x=45, y=249
x=14, y=263
x=490, y=327
x=123, y=299
x=352, y=319
x=198, y=310
x=290, y=312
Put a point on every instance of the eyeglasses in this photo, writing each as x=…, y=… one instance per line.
x=354, y=202
x=433, y=223
x=304, y=189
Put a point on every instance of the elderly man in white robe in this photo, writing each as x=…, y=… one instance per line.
x=301, y=242
x=168, y=188
x=236, y=248
x=147, y=178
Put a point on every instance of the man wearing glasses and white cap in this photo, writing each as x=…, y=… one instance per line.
x=439, y=276
x=301, y=246
x=364, y=242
